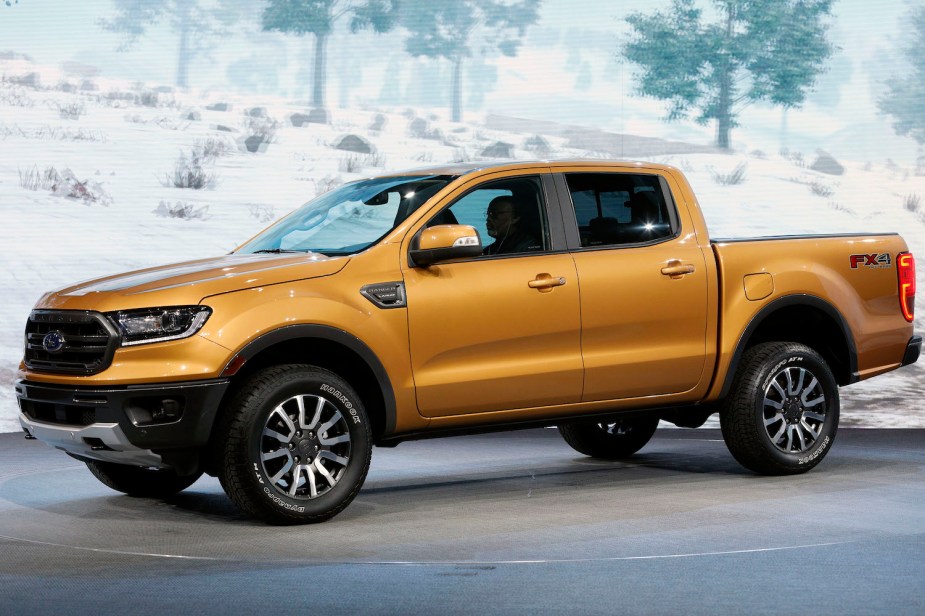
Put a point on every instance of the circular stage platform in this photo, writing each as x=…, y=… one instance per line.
x=511, y=523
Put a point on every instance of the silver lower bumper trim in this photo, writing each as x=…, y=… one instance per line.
x=73, y=439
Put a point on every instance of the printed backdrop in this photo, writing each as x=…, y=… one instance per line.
x=135, y=133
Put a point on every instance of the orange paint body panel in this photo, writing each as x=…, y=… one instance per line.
x=568, y=331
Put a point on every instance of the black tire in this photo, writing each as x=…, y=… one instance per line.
x=296, y=445
x=612, y=440
x=139, y=481
x=782, y=413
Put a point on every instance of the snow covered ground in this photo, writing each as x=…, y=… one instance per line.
x=122, y=142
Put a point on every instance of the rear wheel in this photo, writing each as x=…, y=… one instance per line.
x=782, y=414
x=296, y=445
x=612, y=440
x=140, y=481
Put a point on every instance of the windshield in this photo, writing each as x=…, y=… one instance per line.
x=348, y=219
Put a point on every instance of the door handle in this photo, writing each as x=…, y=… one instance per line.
x=675, y=269
x=545, y=282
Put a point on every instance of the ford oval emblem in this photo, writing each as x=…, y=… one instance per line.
x=53, y=342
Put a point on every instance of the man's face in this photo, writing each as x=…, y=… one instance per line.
x=500, y=219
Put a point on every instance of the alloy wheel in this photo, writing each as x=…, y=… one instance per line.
x=794, y=409
x=305, y=446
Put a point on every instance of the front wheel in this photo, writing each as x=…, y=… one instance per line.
x=613, y=440
x=782, y=413
x=140, y=481
x=296, y=445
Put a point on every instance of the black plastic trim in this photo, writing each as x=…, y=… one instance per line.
x=567, y=210
x=811, y=236
x=324, y=332
x=427, y=257
x=526, y=424
x=784, y=302
x=913, y=350
x=65, y=318
x=557, y=226
x=371, y=292
x=110, y=404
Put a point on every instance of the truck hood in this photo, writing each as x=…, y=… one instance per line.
x=187, y=283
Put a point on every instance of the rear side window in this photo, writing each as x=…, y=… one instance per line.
x=620, y=208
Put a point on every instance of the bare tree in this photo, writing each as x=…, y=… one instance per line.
x=195, y=22
x=318, y=17
x=449, y=29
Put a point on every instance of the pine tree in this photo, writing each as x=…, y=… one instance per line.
x=455, y=29
x=758, y=50
x=317, y=17
x=905, y=96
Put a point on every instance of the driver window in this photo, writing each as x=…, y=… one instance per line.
x=509, y=215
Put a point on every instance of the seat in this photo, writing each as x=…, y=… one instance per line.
x=605, y=230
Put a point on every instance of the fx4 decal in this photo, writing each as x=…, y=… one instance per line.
x=874, y=260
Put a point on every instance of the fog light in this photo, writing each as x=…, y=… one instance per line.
x=170, y=410
x=149, y=410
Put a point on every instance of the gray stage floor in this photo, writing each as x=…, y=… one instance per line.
x=506, y=523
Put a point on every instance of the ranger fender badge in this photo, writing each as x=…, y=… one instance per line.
x=874, y=260
x=385, y=294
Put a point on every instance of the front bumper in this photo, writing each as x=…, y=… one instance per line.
x=134, y=424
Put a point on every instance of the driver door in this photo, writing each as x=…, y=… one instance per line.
x=482, y=339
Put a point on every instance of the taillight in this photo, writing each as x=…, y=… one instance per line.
x=906, y=268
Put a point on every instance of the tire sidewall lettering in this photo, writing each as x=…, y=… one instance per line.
x=333, y=395
x=343, y=399
x=271, y=494
x=818, y=451
x=742, y=414
x=822, y=444
x=776, y=370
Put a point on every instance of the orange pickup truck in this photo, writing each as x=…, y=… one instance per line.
x=465, y=298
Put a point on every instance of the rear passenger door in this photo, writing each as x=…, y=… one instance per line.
x=643, y=284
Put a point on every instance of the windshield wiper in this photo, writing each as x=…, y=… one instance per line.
x=274, y=251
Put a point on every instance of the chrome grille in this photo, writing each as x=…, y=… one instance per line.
x=87, y=341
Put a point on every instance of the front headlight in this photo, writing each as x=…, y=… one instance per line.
x=159, y=324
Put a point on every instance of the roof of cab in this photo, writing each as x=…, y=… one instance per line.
x=457, y=169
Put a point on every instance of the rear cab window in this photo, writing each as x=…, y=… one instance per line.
x=617, y=209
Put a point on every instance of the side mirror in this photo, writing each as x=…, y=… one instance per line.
x=443, y=243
